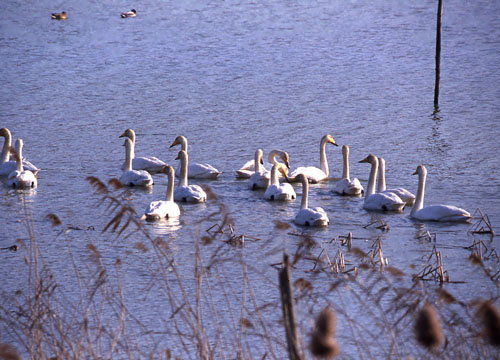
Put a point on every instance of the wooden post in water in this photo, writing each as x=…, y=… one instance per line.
x=288, y=310
x=438, y=52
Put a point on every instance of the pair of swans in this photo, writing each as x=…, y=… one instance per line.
x=7, y=166
x=167, y=208
x=131, y=177
x=195, y=170
x=150, y=164
x=346, y=185
x=185, y=192
x=21, y=178
x=248, y=169
x=261, y=177
x=309, y=216
x=443, y=213
x=279, y=191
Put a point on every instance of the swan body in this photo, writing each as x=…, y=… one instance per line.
x=309, y=216
x=346, y=185
x=59, y=16
x=247, y=170
x=167, y=208
x=261, y=178
x=402, y=193
x=195, y=170
x=379, y=201
x=315, y=174
x=6, y=166
x=185, y=192
x=127, y=14
x=443, y=213
x=276, y=190
x=20, y=178
x=150, y=164
x=132, y=177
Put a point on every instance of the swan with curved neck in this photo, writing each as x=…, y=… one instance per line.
x=21, y=178
x=276, y=190
x=309, y=216
x=314, y=174
x=402, y=193
x=261, y=178
x=167, y=208
x=195, y=170
x=443, y=213
x=6, y=165
x=150, y=164
x=247, y=170
x=379, y=201
x=346, y=185
x=185, y=192
x=132, y=177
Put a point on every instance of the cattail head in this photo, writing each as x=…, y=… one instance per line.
x=490, y=318
x=323, y=343
x=8, y=352
x=428, y=328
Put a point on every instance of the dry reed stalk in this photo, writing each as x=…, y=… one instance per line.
x=478, y=228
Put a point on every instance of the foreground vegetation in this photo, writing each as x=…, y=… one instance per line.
x=216, y=312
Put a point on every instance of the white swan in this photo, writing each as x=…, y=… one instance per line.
x=379, y=201
x=6, y=166
x=277, y=191
x=434, y=212
x=20, y=178
x=133, y=177
x=261, y=178
x=195, y=170
x=309, y=216
x=167, y=208
x=314, y=174
x=346, y=185
x=247, y=170
x=150, y=164
x=185, y=192
x=402, y=193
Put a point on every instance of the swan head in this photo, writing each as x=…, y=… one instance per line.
x=283, y=170
x=345, y=150
x=178, y=140
x=182, y=155
x=5, y=132
x=129, y=133
x=420, y=170
x=283, y=155
x=372, y=159
x=329, y=139
x=167, y=169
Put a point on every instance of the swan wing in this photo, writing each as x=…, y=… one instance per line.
x=442, y=213
x=384, y=202
x=313, y=174
x=280, y=192
x=190, y=193
x=259, y=180
x=162, y=209
x=348, y=187
x=151, y=164
x=136, y=178
x=7, y=168
x=22, y=180
x=312, y=217
x=403, y=194
x=200, y=171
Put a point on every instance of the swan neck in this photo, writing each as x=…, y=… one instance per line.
x=274, y=175
x=322, y=157
x=258, y=166
x=19, y=159
x=381, y=176
x=184, y=144
x=372, y=179
x=129, y=155
x=305, y=193
x=170, y=185
x=419, y=200
x=184, y=171
x=6, y=148
x=345, y=167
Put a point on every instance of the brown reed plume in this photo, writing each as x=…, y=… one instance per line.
x=323, y=343
x=428, y=328
x=490, y=319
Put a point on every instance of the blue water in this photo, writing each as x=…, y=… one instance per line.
x=235, y=76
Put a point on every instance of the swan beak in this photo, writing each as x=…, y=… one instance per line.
x=143, y=217
x=334, y=143
x=175, y=143
x=416, y=172
x=365, y=160
x=124, y=134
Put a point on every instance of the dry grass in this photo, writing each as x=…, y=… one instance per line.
x=378, y=310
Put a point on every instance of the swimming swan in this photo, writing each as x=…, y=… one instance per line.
x=20, y=178
x=133, y=177
x=167, y=208
x=434, y=212
x=150, y=164
x=314, y=174
x=6, y=166
x=247, y=170
x=379, y=201
x=185, y=192
x=195, y=170
x=403, y=194
x=347, y=186
x=127, y=14
x=277, y=191
x=309, y=216
x=261, y=178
